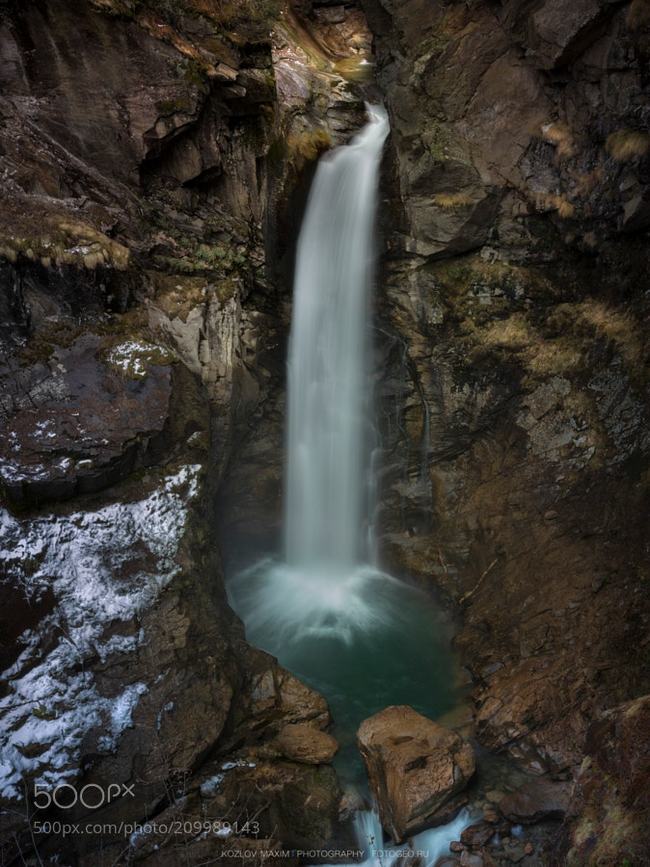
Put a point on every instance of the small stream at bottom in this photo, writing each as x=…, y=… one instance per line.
x=365, y=641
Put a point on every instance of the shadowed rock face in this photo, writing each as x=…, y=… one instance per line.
x=536, y=800
x=607, y=817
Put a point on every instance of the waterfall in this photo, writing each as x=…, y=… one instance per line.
x=362, y=638
x=327, y=443
x=326, y=584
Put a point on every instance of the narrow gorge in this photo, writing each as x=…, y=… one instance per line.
x=324, y=432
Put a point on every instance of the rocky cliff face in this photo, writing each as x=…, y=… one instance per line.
x=155, y=161
x=516, y=316
x=150, y=153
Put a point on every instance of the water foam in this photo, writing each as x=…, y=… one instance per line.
x=295, y=604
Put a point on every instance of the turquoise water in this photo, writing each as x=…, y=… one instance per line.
x=365, y=642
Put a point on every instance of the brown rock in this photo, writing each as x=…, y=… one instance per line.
x=477, y=835
x=611, y=797
x=560, y=30
x=88, y=423
x=304, y=743
x=415, y=766
x=537, y=800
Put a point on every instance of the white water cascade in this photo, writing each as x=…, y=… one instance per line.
x=325, y=585
x=424, y=849
x=362, y=638
x=327, y=443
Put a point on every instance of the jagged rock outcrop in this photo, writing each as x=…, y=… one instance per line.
x=536, y=800
x=416, y=767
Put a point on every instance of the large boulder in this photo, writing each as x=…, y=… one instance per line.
x=86, y=418
x=415, y=767
x=559, y=32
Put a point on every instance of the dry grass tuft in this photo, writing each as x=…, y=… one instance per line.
x=627, y=144
x=559, y=203
x=553, y=357
x=559, y=135
x=540, y=356
x=511, y=333
x=564, y=208
x=618, y=326
x=586, y=182
x=452, y=201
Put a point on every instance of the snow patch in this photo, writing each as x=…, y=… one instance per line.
x=238, y=763
x=132, y=357
x=211, y=786
x=52, y=701
x=168, y=708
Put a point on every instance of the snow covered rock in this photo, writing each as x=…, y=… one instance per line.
x=101, y=571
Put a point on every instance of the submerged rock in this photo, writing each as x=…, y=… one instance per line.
x=415, y=767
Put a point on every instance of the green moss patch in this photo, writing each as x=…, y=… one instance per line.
x=63, y=242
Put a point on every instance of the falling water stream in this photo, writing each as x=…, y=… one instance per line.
x=362, y=638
